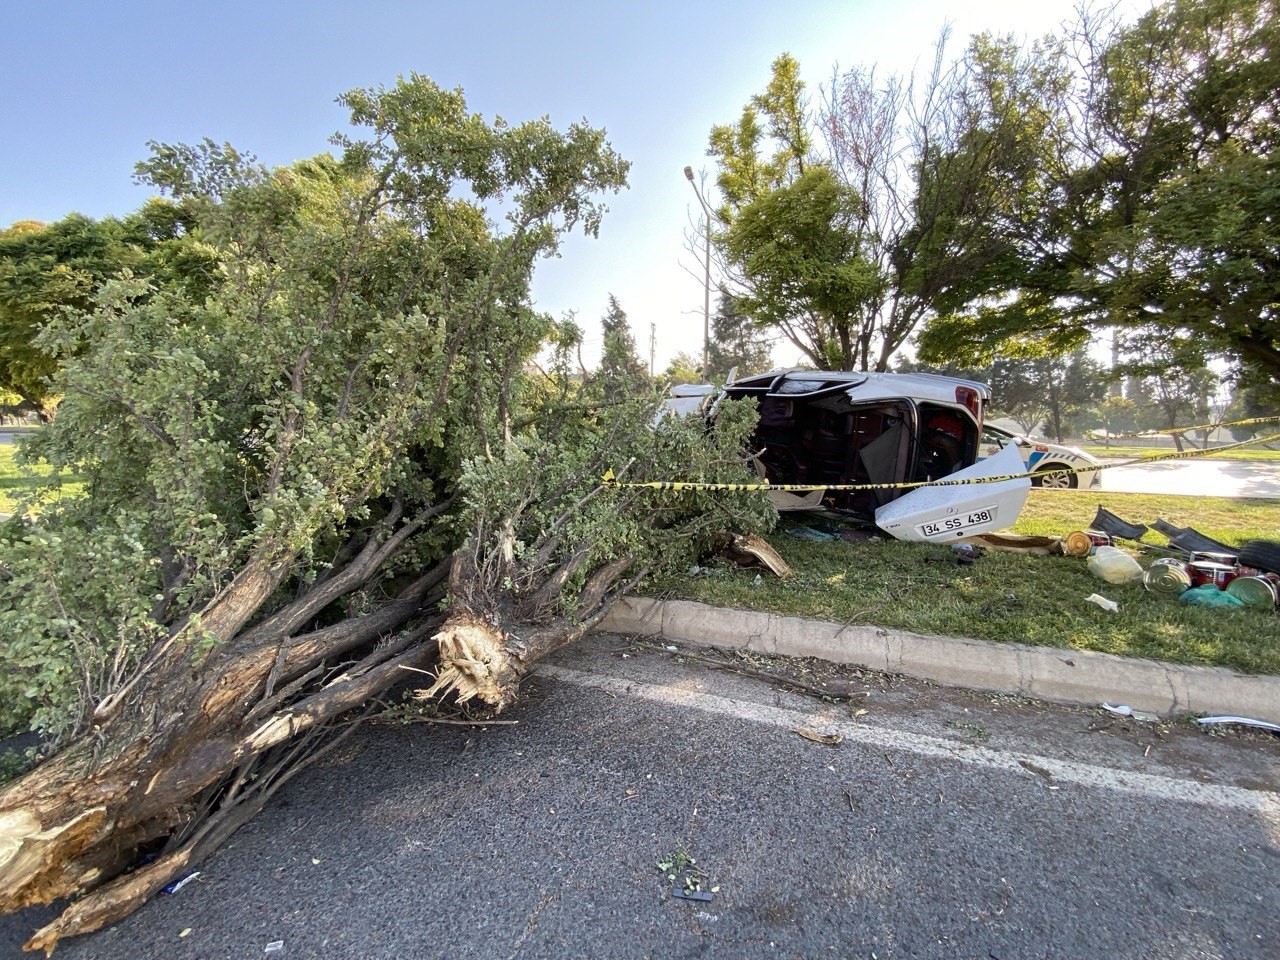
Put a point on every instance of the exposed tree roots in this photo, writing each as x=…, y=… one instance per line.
x=194, y=745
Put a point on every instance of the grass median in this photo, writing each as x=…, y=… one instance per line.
x=1001, y=597
x=1014, y=598
x=1250, y=454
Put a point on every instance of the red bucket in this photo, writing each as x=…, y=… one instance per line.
x=1208, y=571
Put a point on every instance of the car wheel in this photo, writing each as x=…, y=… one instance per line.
x=1263, y=554
x=1053, y=481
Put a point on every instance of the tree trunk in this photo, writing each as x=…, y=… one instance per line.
x=190, y=749
x=484, y=656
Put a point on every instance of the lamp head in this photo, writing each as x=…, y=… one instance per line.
x=688, y=174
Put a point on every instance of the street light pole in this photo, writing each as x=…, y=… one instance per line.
x=706, y=279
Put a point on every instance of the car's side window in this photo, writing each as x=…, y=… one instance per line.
x=992, y=443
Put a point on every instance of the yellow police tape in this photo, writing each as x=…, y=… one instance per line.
x=1203, y=426
x=609, y=480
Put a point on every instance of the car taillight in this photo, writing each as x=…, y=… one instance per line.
x=968, y=397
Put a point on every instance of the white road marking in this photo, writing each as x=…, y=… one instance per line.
x=1165, y=789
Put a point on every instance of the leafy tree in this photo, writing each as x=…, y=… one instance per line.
x=789, y=226
x=1117, y=414
x=45, y=269
x=683, y=368
x=1054, y=391
x=850, y=225
x=936, y=161
x=286, y=478
x=1157, y=206
x=737, y=342
x=1248, y=404
x=1170, y=380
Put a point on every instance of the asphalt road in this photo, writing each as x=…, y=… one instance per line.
x=1207, y=478
x=945, y=824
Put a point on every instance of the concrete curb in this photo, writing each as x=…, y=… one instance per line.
x=1045, y=673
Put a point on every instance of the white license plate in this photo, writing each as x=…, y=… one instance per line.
x=961, y=521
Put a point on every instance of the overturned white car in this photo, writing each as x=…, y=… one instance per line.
x=875, y=432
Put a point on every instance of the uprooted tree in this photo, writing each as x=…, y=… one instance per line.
x=333, y=466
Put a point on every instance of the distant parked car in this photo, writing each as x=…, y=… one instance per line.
x=1041, y=457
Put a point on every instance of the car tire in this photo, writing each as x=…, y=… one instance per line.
x=1044, y=477
x=1263, y=554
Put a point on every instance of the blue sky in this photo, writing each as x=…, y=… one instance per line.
x=84, y=86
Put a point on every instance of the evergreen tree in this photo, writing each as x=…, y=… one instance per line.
x=737, y=342
x=620, y=365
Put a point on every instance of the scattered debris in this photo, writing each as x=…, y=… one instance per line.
x=275, y=946
x=1167, y=575
x=1184, y=538
x=747, y=550
x=1262, y=590
x=688, y=880
x=966, y=553
x=1084, y=543
x=1210, y=595
x=854, y=535
x=1037, y=770
x=785, y=681
x=975, y=730
x=1127, y=711
x=1243, y=721
x=1114, y=565
x=185, y=933
x=810, y=534
x=1017, y=543
x=1107, y=522
x=830, y=739
x=680, y=893
x=1103, y=602
x=179, y=884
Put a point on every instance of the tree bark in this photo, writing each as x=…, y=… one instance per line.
x=192, y=748
x=168, y=759
x=485, y=655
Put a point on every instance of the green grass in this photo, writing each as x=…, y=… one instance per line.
x=1255, y=454
x=1007, y=597
x=15, y=484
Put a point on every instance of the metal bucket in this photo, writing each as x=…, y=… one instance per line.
x=1167, y=575
x=1207, y=571
x=1208, y=556
x=1262, y=590
x=1081, y=543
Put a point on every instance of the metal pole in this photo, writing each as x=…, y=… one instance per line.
x=706, y=310
x=706, y=277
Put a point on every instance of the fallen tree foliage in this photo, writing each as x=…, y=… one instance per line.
x=333, y=467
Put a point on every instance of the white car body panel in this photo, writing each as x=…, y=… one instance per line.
x=943, y=514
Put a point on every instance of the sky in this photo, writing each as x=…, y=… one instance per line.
x=85, y=85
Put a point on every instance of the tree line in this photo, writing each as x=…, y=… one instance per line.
x=1116, y=179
